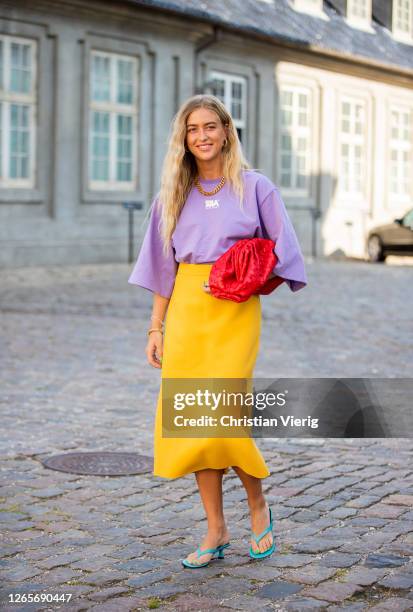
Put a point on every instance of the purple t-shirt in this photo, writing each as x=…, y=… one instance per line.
x=209, y=225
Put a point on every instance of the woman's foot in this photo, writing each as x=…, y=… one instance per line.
x=260, y=520
x=211, y=540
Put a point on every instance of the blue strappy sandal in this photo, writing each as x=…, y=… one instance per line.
x=257, y=539
x=219, y=549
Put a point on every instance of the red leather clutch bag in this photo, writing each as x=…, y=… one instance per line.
x=243, y=270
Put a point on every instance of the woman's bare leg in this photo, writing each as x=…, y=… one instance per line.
x=210, y=488
x=259, y=512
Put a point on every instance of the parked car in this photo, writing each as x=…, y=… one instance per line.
x=395, y=238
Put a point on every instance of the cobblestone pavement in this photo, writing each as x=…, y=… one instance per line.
x=75, y=377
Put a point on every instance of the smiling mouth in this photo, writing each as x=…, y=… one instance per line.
x=206, y=146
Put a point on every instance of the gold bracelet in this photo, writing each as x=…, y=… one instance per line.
x=154, y=329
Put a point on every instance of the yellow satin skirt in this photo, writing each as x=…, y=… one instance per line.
x=207, y=337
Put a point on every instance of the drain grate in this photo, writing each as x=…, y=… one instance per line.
x=100, y=463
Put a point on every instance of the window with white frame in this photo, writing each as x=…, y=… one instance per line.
x=359, y=11
x=352, y=146
x=232, y=91
x=401, y=158
x=403, y=18
x=294, y=144
x=308, y=6
x=113, y=121
x=17, y=111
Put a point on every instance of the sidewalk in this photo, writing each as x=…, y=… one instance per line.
x=75, y=378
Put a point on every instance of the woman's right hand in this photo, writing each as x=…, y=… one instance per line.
x=154, y=349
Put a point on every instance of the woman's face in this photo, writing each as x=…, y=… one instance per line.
x=205, y=134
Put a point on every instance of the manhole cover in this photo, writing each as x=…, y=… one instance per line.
x=100, y=464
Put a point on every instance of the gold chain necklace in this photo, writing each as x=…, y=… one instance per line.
x=209, y=193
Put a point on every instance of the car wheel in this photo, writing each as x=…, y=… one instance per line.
x=375, y=249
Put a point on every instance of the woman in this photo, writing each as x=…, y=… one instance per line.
x=209, y=199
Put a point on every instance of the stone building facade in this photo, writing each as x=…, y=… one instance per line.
x=321, y=93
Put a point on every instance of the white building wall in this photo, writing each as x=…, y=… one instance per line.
x=346, y=220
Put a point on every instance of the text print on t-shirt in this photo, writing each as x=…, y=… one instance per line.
x=211, y=203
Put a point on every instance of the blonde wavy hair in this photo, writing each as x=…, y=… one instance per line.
x=180, y=168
